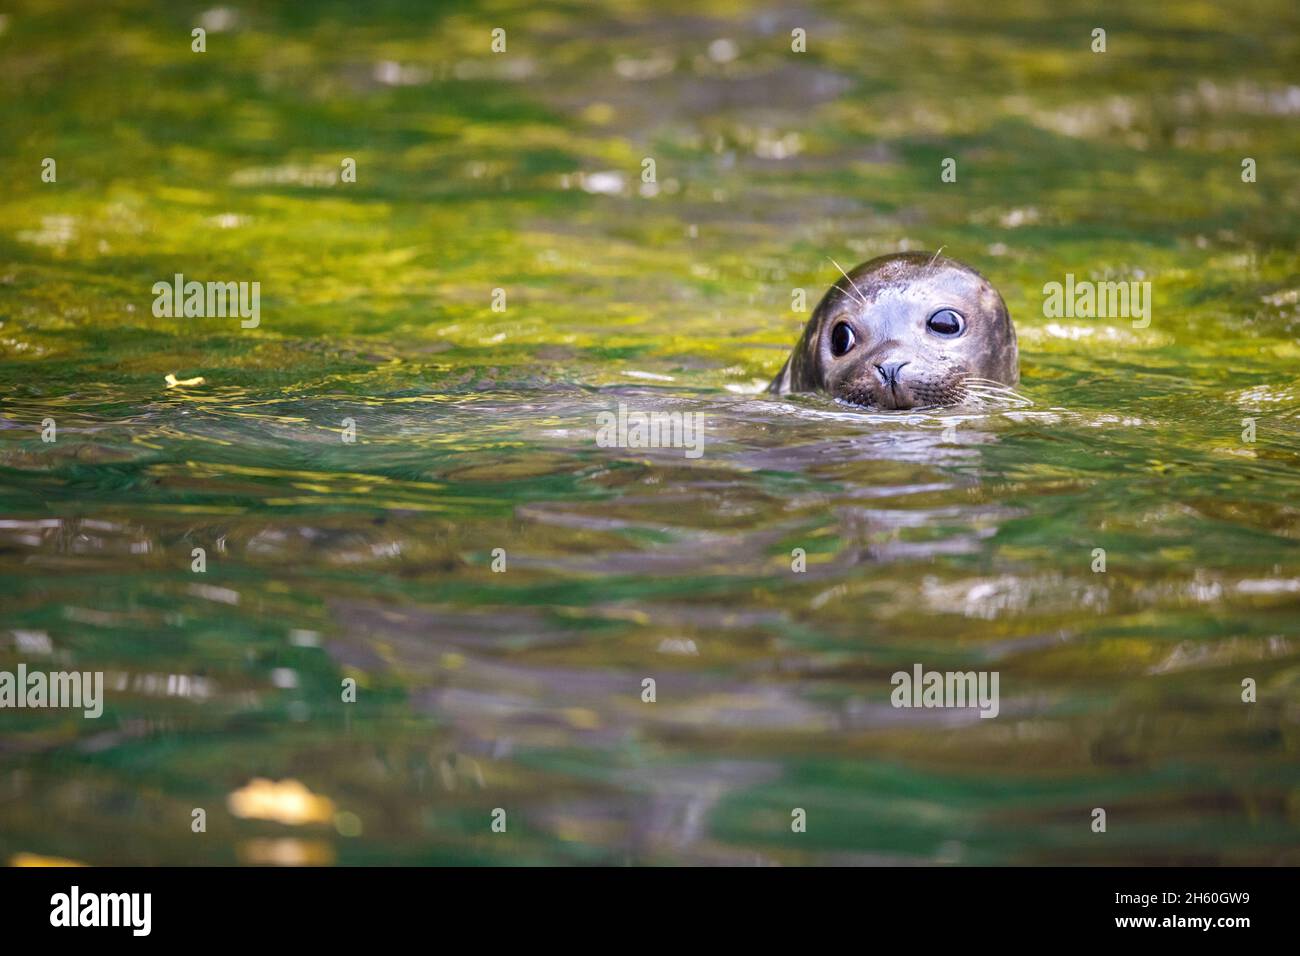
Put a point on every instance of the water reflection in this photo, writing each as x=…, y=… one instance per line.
x=962, y=538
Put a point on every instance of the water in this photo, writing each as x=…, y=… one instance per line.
x=966, y=547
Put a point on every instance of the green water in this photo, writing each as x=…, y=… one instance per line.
x=957, y=548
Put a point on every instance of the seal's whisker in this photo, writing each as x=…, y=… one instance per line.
x=996, y=396
x=861, y=298
x=987, y=385
x=936, y=256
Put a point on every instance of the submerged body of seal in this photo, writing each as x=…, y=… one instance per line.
x=905, y=331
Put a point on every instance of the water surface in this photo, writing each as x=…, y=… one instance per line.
x=966, y=547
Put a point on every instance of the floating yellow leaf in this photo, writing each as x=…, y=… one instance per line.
x=173, y=381
x=286, y=801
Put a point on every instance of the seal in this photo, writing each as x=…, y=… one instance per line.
x=905, y=331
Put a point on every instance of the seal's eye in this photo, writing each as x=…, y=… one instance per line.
x=946, y=323
x=842, y=339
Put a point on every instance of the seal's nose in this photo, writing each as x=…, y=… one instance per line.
x=889, y=372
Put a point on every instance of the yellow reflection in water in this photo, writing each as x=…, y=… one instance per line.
x=35, y=859
x=286, y=851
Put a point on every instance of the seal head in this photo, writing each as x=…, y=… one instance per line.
x=904, y=331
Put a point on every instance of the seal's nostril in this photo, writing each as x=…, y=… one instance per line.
x=889, y=372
